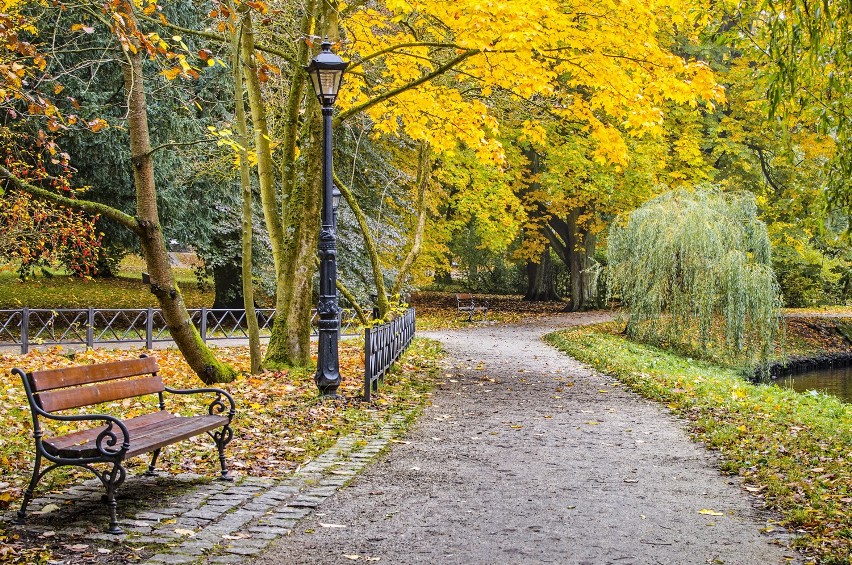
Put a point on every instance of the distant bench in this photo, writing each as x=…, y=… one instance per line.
x=52, y=392
x=467, y=304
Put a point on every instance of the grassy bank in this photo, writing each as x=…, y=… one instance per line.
x=792, y=450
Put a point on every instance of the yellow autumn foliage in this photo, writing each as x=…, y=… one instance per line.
x=600, y=63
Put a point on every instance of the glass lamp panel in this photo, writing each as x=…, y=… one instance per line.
x=329, y=82
x=315, y=79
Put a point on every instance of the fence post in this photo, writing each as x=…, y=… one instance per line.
x=368, y=352
x=149, y=329
x=203, y=329
x=90, y=329
x=25, y=330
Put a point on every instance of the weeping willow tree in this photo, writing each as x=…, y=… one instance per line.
x=693, y=264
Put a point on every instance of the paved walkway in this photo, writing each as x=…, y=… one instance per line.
x=525, y=456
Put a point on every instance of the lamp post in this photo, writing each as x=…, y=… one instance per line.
x=326, y=72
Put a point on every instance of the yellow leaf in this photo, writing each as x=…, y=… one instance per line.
x=173, y=73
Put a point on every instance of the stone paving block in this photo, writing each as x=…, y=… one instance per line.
x=290, y=512
x=171, y=559
x=277, y=522
x=281, y=526
x=256, y=507
x=321, y=492
x=266, y=500
x=191, y=522
x=173, y=510
x=307, y=501
x=153, y=516
x=248, y=542
x=259, y=481
x=268, y=536
x=232, y=559
x=105, y=536
x=167, y=533
x=205, y=513
x=236, y=490
x=243, y=550
x=146, y=540
x=197, y=546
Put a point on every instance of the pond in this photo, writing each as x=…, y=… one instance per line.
x=837, y=381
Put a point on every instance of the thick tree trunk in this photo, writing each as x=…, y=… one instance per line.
x=589, y=277
x=574, y=261
x=297, y=226
x=289, y=343
x=540, y=278
x=575, y=245
x=163, y=285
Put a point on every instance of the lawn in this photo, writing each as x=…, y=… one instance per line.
x=124, y=291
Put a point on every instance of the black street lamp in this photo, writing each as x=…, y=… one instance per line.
x=326, y=72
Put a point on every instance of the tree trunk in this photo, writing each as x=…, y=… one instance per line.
x=290, y=342
x=245, y=186
x=575, y=245
x=588, y=275
x=424, y=173
x=574, y=262
x=540, y=278
x=297, y=226
x=183, y=332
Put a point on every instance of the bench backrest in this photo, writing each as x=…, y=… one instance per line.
x=75, y=387
x=464, y=296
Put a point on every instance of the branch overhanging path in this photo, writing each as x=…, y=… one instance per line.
x=527, y=456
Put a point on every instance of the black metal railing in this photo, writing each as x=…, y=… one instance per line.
x=382, y=347
x=100, y=326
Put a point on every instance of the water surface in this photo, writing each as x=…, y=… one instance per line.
x=837, y=382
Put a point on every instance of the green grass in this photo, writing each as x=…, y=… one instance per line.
x=64, y=291
x=793, y=448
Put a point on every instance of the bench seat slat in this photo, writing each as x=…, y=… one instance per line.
x=147, y=433
x=133, y=424
x=53, y=400
x=50, y=379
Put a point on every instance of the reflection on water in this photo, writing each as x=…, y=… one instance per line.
x=830, y=381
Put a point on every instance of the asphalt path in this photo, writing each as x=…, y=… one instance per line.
x=527, y=456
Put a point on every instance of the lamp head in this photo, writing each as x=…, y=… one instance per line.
x=326, y=71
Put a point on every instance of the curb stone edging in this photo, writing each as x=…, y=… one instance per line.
x=219, y=522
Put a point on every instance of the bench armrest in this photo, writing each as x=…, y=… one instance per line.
x=109, y=437
x=217, y=406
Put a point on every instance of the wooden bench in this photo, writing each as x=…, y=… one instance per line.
x=106, y=439
x=466, y=304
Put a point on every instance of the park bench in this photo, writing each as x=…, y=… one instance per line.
x=467, y=304
x=107, y=439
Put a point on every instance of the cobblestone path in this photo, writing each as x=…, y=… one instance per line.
x=201, y=521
